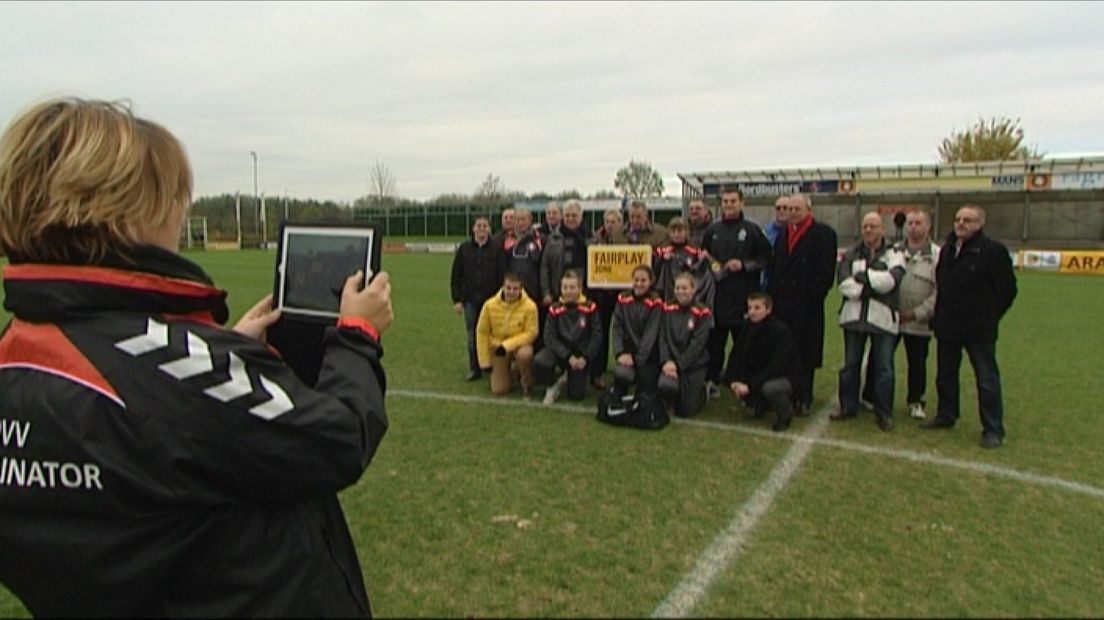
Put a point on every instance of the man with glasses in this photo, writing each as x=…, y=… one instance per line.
x=773, y=229
x=975, y=287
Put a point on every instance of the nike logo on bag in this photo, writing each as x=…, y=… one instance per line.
x=199, y=361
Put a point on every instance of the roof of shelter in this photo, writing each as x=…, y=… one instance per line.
x=1078, y=172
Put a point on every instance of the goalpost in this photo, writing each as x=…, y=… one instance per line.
x=194, y=233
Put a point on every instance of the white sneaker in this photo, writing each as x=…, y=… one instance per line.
x=711, y=390
x=916, y=410
x=553, y=391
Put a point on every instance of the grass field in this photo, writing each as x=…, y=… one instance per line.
x=477, y=506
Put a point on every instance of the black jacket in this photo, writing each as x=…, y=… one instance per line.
x=763, y=351
x=974, y=288
x=799, y=283
x=172, y=467
x=476, y=271
x=726, y=240
x=683, y=335
x=669, y=260
x=573, y=329
x=636, y=324
x=523, y=257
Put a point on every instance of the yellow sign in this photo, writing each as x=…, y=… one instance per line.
x=1082, y=262
x=611, y=266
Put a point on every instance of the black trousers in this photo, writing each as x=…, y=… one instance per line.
x=718, y=340
x=547, y=367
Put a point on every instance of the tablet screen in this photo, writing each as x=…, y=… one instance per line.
x=314, y=263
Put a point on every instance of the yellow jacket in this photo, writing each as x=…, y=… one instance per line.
x=510, y=324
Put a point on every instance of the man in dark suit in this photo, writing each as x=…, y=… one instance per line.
x=802, y=274
x=975, y=287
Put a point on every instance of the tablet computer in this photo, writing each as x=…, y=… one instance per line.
x=313, y=261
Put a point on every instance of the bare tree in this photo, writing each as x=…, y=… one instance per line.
x=490, y=191
x=382, y=186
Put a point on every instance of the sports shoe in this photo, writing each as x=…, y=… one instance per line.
x=711, y=390
x=916, y=410
x=885, y=423
x=991, y=441
x=473, y=375
x=553, y=391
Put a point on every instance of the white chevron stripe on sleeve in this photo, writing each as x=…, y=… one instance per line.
x=198, y=361
x=238, y=385
x=156, y=337
x=279, y=404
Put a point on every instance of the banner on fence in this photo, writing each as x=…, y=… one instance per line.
x=1082, y=262
x=611, y=266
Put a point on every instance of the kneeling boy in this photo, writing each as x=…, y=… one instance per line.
x=763, y=367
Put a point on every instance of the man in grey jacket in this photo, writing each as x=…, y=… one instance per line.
x=917, y=303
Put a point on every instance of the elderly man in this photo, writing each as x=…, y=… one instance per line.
x=869, y=276
x=739, y=251
x=641, y=229
x=564, y=248
x=553, y=219
x=975, y=288
x=522, y=254
x=775, y=228
x=507, y=230
x=802, y=274
x=700, y=219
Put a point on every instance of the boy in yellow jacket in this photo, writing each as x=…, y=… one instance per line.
x=505, y=334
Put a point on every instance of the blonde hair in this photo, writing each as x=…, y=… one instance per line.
x=79, y=178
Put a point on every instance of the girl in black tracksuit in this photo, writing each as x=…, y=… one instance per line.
x=636, y=326
x=682, y=349
x=572, y=334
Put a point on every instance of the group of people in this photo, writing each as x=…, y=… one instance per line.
x=669, y=332
x=531, y=317
x=914, y=290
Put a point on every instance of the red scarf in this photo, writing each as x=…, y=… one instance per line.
x=797, y=231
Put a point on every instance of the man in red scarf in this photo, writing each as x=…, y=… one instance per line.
x=802, y=274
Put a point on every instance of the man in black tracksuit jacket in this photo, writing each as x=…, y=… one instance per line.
x=739, y=251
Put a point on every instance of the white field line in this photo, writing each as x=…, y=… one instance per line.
x=895, y=453
x=727, y=545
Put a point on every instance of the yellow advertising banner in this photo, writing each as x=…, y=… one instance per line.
x=1074, y=261
x=611, y=266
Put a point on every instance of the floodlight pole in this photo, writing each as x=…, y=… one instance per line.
x=256, y=199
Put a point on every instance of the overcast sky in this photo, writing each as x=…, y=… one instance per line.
x=558, y=96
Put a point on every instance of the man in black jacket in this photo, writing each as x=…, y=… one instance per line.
x=975, y=287
x=802, y=273
x=763, y=368
x=476, y=275
x=163, y=465
x=739, y=252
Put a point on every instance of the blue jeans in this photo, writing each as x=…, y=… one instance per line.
x=471, y=318
x=880, y=368
x=983, y=357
